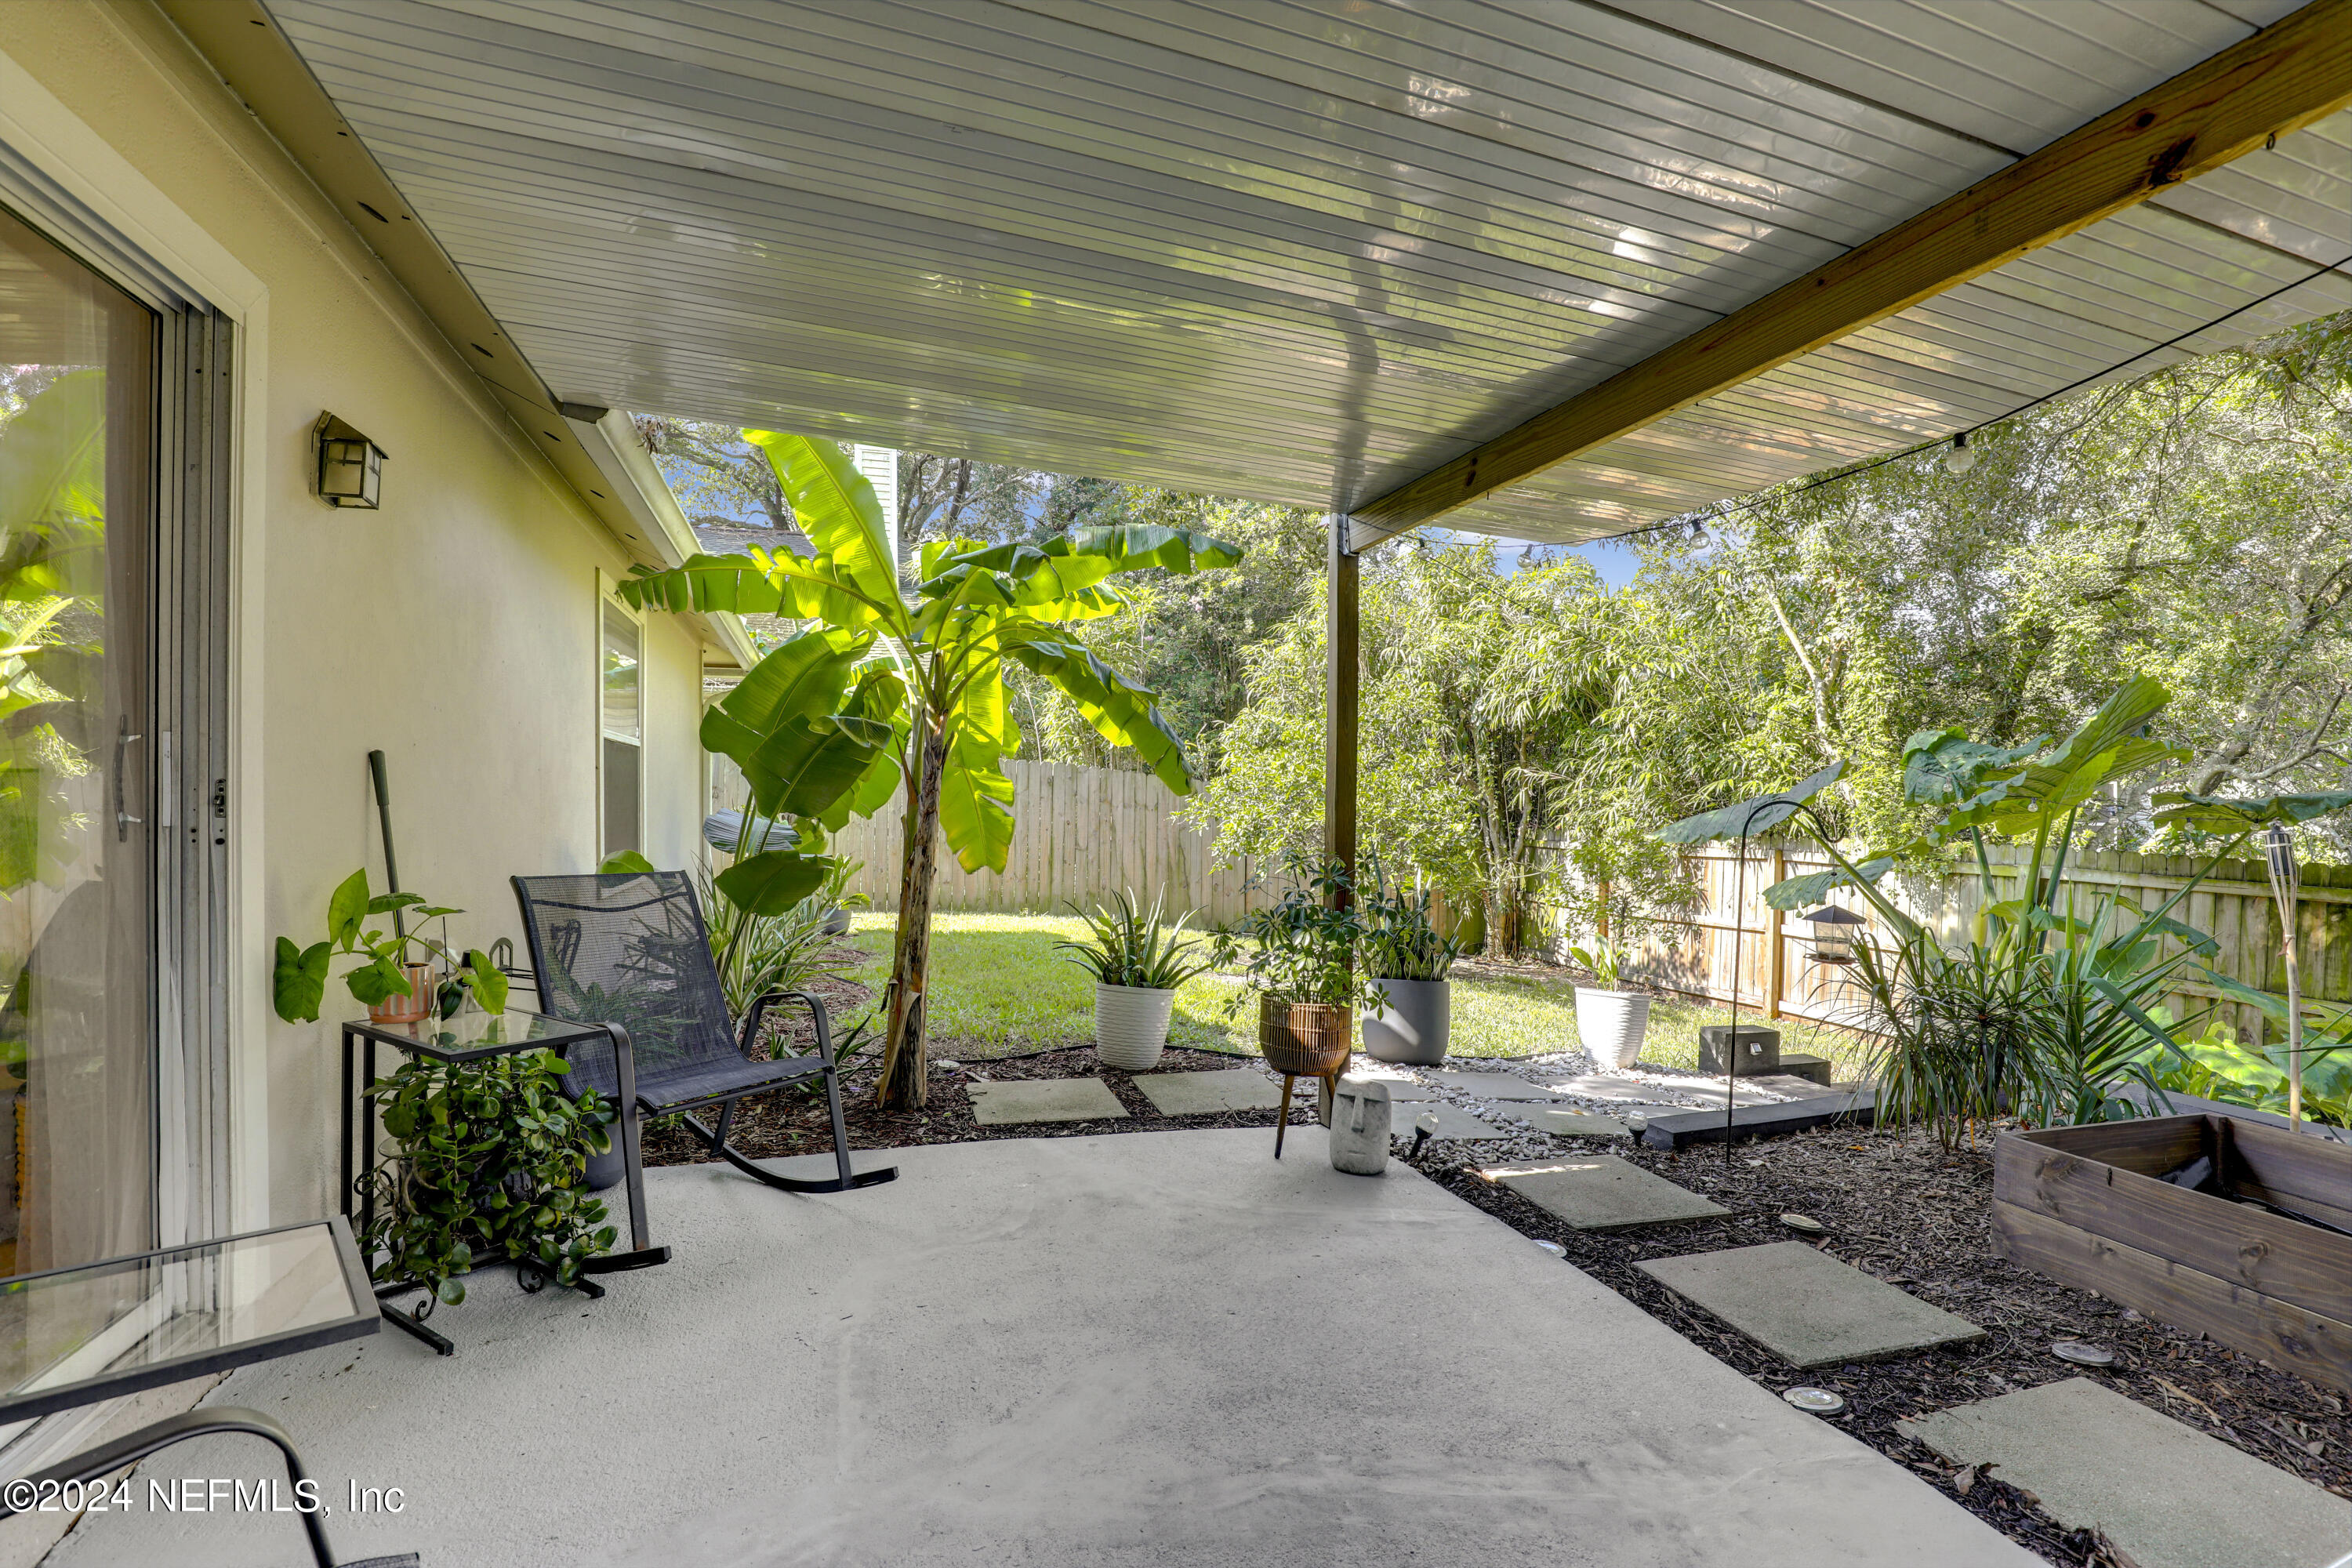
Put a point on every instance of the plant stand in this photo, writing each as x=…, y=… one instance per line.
x=472, y=1038
x=1302, y=1040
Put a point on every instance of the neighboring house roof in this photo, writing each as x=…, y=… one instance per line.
x=732, y=536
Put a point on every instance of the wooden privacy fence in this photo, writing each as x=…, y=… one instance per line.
x=1777, y=974
x=1080, y=834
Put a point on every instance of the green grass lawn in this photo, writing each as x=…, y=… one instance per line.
x=997, y=987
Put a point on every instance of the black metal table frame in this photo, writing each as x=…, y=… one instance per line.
x=642, y=1253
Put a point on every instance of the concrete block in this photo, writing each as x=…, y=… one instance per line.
x=1758, y=1052
x=1805, y=1306
x=1044, y=1099
x=1681, y=1128
x=2167, y=1493
x=1803, y=1085
x=1209, y=1093
x=1604, y=1193
x=1812, y=1068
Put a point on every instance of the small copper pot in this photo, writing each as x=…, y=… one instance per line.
x=412, y=1008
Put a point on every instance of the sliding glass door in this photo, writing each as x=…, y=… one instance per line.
x=79, y=916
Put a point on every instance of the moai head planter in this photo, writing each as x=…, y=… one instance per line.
x=1359, y=1127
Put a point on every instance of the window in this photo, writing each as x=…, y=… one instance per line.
x=621, y=719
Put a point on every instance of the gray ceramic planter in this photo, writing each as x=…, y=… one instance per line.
x=1414, y=1023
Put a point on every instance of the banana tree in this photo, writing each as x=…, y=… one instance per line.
x=930, y=672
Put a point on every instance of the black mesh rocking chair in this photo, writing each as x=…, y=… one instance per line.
x=630, y=949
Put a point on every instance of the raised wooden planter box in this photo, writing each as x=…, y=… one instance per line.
x=2084, y=1205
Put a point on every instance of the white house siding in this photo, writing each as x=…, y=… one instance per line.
x=454, y=629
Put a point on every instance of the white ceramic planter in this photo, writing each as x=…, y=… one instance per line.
x=1610, y=1024
x=1414, y=1022
x=1131, y=1026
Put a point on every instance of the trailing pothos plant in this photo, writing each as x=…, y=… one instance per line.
x=490, y=1167
x=891, y=695
x=299, y=981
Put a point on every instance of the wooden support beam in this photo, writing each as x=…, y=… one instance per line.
x=1341, y=653
x=2281, y=79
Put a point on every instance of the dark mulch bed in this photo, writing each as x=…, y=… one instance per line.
x=1898, y=1207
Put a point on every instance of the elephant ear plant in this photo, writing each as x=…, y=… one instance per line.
x=2049, y=1007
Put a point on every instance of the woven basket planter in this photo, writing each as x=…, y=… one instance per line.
x=1304, y=1039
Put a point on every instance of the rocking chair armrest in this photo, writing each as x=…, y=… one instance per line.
x=758, y=1013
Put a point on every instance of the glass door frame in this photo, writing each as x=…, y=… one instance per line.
x=191, y=574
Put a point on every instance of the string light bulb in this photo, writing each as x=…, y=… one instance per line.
x=1962, y=457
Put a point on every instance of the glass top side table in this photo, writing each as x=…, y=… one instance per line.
x=71, y=1337
x=473, y=1036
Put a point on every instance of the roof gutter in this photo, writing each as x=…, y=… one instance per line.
x=609, y=440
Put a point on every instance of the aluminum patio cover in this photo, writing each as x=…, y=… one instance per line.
x=1550, y=269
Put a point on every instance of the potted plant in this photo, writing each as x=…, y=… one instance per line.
x=1609, y=1022
x=489, y=1167
x=394, y=979
x=1407, y=963
x=1137, y=960
x=1302, y=969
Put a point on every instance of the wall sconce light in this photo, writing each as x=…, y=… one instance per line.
x=350, y=467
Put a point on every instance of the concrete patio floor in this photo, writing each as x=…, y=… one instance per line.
x=1134, y=1348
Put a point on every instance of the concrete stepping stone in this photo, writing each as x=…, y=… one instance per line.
x=1492, y=1085
x=1806, y=1307
x=1623, y=1091
x=1452, y=1121
x=1209, y=1093
x=2167, y=1493
x=1044, y=1099
x=1576, y=1123
x=1605, y=1192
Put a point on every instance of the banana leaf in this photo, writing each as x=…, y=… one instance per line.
x=836, y=508
x=1121, y=710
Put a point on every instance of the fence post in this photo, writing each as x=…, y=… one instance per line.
x=1773, y=964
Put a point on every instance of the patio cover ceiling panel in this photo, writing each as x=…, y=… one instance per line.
x=1294, y=251
x=2100, y=305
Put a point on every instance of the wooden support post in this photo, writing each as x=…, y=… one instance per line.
x=1340, y=697
x=1775, y=966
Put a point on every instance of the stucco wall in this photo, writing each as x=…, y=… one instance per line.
x=455, y=628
